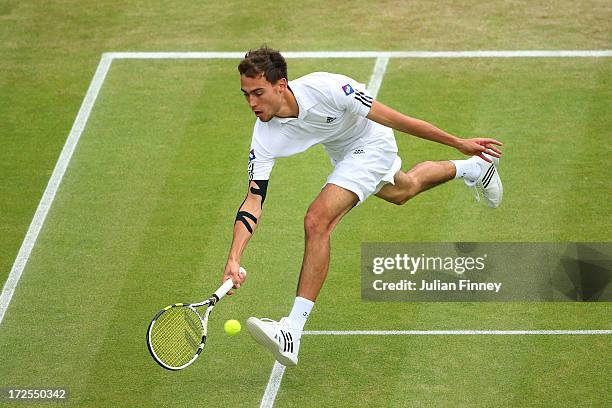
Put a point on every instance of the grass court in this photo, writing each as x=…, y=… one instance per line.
x=144, y=213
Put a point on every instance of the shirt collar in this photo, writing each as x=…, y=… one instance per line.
x=303, y=100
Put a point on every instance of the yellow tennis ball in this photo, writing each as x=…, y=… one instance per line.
x=232, y=327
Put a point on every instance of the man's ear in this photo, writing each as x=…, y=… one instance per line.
x=282, y=84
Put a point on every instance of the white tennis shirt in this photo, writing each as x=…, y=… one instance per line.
x=332, y=112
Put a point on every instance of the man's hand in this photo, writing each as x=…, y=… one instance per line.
x=478, y=146
x=232, y=271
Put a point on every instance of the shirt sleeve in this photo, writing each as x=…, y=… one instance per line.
x=260, y=166
x=351, y=96
x=261, y=161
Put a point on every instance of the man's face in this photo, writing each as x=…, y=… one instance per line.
x=264, y=98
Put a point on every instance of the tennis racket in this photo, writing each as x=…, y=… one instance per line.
x=177, y=334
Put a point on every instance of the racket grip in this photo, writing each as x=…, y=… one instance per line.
x=227, y=286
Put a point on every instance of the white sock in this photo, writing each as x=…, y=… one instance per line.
x=300, y=312
x=466, y=169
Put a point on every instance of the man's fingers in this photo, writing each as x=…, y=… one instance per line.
x=483, y=157
x=481, y=146
x=236, y=277
x=492, y=150
x=493, y=153
x=236, y=286
x=493, y=141
x=495, y=149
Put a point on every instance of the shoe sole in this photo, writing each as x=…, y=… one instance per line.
x=262, y=338
x=495, y=179
x=501, y=192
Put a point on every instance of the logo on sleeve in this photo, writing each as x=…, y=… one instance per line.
x=251, y=166
x=348, y=89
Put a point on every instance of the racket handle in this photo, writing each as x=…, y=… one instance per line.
x=227, y=286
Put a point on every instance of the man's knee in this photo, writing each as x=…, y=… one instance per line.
x=409, y=187
x=401, y=200
x=317, y=222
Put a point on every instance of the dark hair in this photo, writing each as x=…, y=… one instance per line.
x=263, y=61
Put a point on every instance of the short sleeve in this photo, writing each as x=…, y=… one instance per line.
x=261, y=160
x=351, y=96
x=260, y=166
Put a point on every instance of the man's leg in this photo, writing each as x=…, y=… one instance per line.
x=283, y=338
x=421, y=177
x=323, y=215
x=475, y=171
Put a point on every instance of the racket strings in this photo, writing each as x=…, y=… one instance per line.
x=176, y=336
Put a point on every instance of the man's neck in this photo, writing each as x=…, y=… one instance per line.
x=290, y=108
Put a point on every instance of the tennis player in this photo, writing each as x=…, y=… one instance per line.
x=357, y=133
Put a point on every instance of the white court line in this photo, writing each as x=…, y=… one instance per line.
x=273, y=385
x=54, y=182
x=452, y=332
x=372, y=54
x=377, y=75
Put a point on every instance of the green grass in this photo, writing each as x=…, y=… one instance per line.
x=143, y=217
x=482, y=372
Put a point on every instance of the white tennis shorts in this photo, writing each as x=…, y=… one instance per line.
x=365, y=170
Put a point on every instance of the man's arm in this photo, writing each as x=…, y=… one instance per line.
x=246, y=221
x=391, y=118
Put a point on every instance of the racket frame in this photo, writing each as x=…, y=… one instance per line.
x=211, y=302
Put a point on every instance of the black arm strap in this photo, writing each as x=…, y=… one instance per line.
x=261, y=190
x=242, y=217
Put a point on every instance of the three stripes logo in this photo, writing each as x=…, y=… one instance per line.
x=363, y=98
x=287, y=341
x=488, y=176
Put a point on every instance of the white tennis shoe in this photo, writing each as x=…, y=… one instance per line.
x=278, y=337
x=488, y=183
